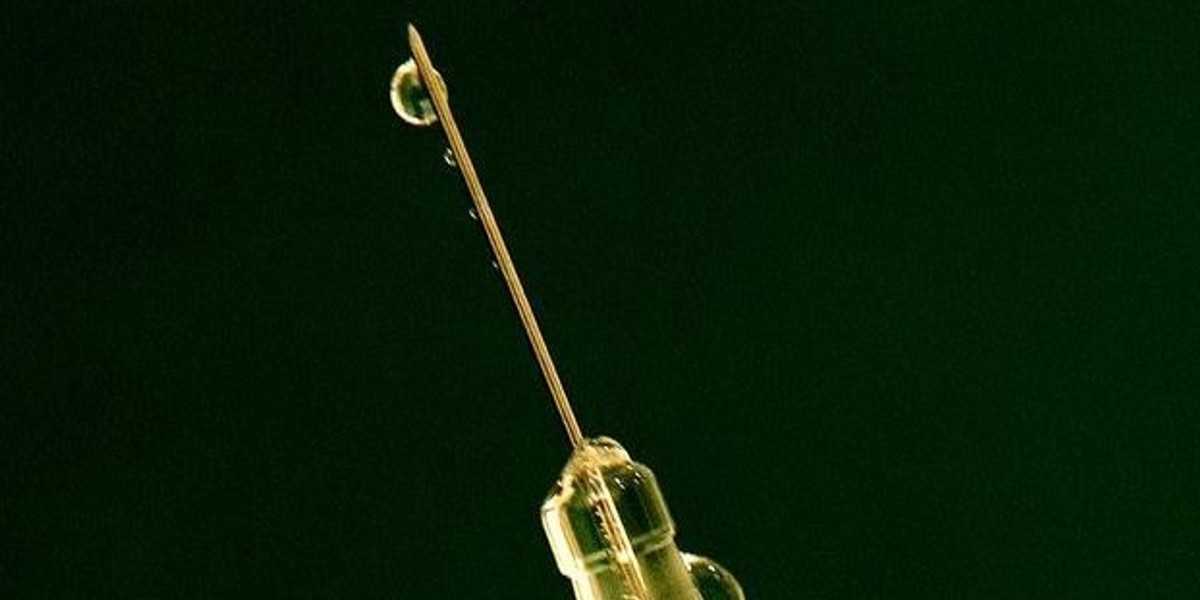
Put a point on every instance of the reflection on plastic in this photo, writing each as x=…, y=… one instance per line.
x=613, y=537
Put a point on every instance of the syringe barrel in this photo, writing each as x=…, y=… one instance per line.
x=613, y=537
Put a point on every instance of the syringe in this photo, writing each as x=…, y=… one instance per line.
x=606, y=520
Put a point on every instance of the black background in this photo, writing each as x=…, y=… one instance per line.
x=897, y=301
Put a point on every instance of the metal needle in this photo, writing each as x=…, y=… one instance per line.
x=437, y=92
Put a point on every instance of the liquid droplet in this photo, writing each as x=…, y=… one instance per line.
x=409, y=97
x=495, y=265
x=448, y=156
x=474, y=215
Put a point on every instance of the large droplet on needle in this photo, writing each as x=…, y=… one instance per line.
x=410, y=99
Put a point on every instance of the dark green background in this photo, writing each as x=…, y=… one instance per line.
x=898, y=302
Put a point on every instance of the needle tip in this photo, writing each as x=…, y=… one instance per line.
x=414, y=38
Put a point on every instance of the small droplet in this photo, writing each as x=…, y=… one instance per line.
x=409, y=98
x=448, y=156
x=474, y=215
x=495, y=265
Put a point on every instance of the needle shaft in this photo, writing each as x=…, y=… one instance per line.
x=437, y=92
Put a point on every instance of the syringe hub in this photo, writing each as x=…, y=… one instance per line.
x=613, y=537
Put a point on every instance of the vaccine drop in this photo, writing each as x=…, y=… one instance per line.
x=410, y=99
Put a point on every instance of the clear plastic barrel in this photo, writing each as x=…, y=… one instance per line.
x=613, y=537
